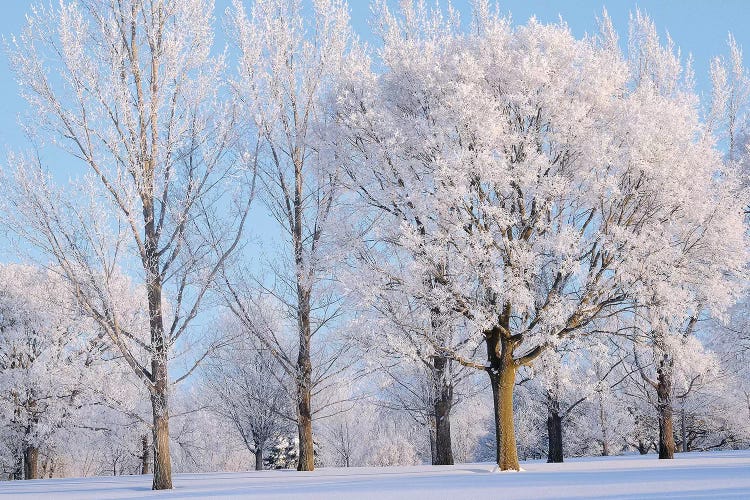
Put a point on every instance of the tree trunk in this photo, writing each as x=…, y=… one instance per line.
x=162, y=460
x=433, y=445
x=554, y=433
x=443, y=406
x=258, y=457
x=664, y=407
x=603, y=426
x=145, y=455
x=502, y=373
x=683, y=432
x=31, y=462
x=160, y=351
x=304, y=427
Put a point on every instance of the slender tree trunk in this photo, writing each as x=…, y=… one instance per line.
x=258, y=457
x=304, y=393
x=683, y=432
x=554, y=431
x=159, y=369
x=665, y=410
x=603, y=426
x=443, y=406
x=31, y=462
x=145, y=455
x=502, y=373
x=433, y=445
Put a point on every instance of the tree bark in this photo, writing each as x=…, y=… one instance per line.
x=554, y=433
x=31, y=462
x=145, y=455
x=665, y=410
x=162, y=460
x=258, y=457
x=443, y=405
x=433, y=444
x=306, y=460
x=502, y=373
x=159, y=371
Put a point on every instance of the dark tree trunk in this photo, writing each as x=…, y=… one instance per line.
x=502, y=373
x=554, y=432
x=31, y=462
x=304, y=411
x=443, y=406
x=665, y=410
x=433, y=445
x=304, y=369
x=258, y=457
x=145, y=455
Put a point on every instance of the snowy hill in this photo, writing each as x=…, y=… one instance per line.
x=695, y=475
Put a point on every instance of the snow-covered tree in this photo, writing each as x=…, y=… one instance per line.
x=246, y=387
x=44, y=361
x=288, y=61
x=543, y=168
x=131, y=91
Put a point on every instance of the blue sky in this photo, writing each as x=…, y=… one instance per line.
x=699, y=27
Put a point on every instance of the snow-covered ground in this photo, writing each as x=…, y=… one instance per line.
x=695, y=475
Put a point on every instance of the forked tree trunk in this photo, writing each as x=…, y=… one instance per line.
x=443, y=405
x=554, y=432
x=502, y=373
x=31, y=462
x=145, y=455
x=664, y=408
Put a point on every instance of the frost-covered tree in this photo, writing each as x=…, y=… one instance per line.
x=543, y=168
x=406, y=338
x=245, y=386
x=288, y=61
x=131, y=91
x=44, y=363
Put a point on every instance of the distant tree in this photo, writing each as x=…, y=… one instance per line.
x=246, y=387
x=44, y=358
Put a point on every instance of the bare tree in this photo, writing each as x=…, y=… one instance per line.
x=129, y=89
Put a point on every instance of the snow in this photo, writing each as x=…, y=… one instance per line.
x=695, y=475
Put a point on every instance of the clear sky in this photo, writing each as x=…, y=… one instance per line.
x=699, y=27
